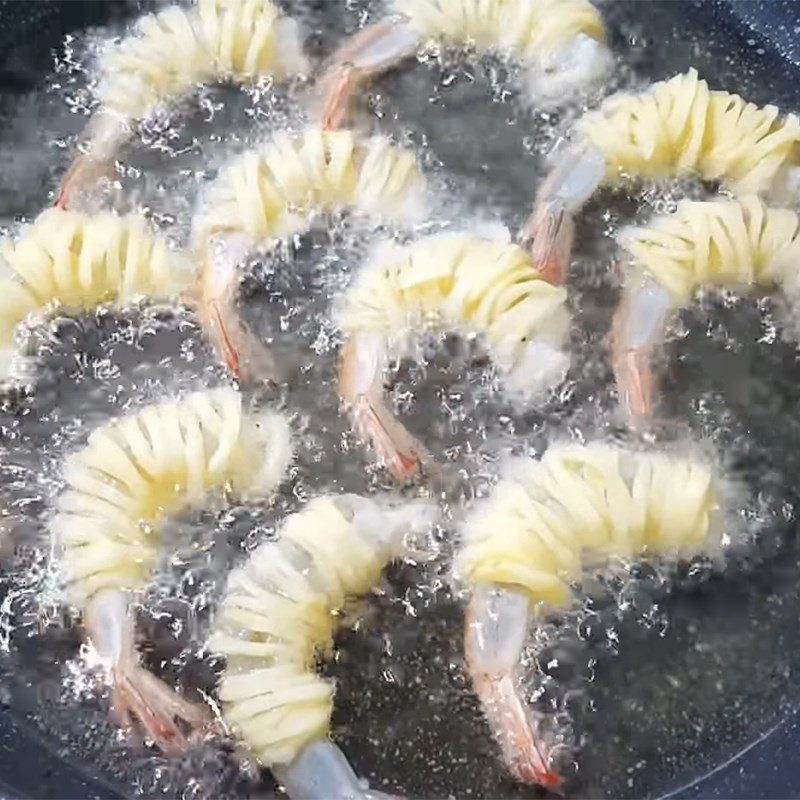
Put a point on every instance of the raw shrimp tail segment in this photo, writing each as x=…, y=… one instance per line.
x=77, y=262
x=167, y=56
x=496, y=629
x=739, y=243
x=549, y=231
x=561, y=40
x=523, y=548
x=456, y=282
x=140, y=468
x=363, y=57
x=245, y=355
x=362, y=363
x=280, y=612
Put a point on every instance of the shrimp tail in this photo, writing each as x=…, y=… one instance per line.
x=494, y=635
x=365, y=55
x=245, y=355
x=548, y=233
x=515, y=731
x=361, y=389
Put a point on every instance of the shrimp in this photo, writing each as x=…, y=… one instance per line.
x=166, y=57
x=279, y=614
x=471, y=284
x=140, y=702
x=269, y=194
x=77, y=262
x=560, y=41
x=495, y=634
x=131, y=476
x=741, y=243
x=521, y=550
x=677, y=128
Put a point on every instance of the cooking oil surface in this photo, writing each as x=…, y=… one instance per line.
x=656, y=675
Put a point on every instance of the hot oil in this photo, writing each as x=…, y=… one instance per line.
x=656, y=675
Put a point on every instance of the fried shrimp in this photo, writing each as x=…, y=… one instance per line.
x=76, y=262
x=741, y=243
x=678, y=128
x=561, y=43
x=132, y=475
x=280, y=613
x=526, y=544
x=269, y=194
x=167, y=56
x=456, y=282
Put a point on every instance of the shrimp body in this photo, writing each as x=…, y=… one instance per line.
x=529, y=541
x=560, y=41
x=455, y=282
x=275, y=191
x=741, y=243
x=280, y=612
x=677, y=128
x=76, y=262
x=172, y=52
x=132, y=475
x=266, y=195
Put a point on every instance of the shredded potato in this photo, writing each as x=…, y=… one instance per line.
x=162, y=460
x=539, y=525
x=741, y=242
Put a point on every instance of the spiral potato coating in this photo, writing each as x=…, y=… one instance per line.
x=540, y=523
x=519, y=27
x=462, y=282
x=741, y=242
x=179, y=48
x=141, y=468
x=280, y=610
x=274, y=192
x=77, y=262
x=680, y=127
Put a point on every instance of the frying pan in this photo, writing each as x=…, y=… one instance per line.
x=763, y=759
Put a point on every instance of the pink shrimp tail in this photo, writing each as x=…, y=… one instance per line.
x=548, y=234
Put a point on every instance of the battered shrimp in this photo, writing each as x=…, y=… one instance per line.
x=166, y=57
x=528, y=542
x=740, y=243
x=76, y=262
x=132, y=475
x=280, y=612
x=269, y=194
x=677, y=128
x=561, y=42
x=456, y=282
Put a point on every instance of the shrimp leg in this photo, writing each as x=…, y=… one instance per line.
x=365, y=55
x=548, y=231
x=496, y=628
x=361, y=388
x=139, y=700
x=637, y=333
